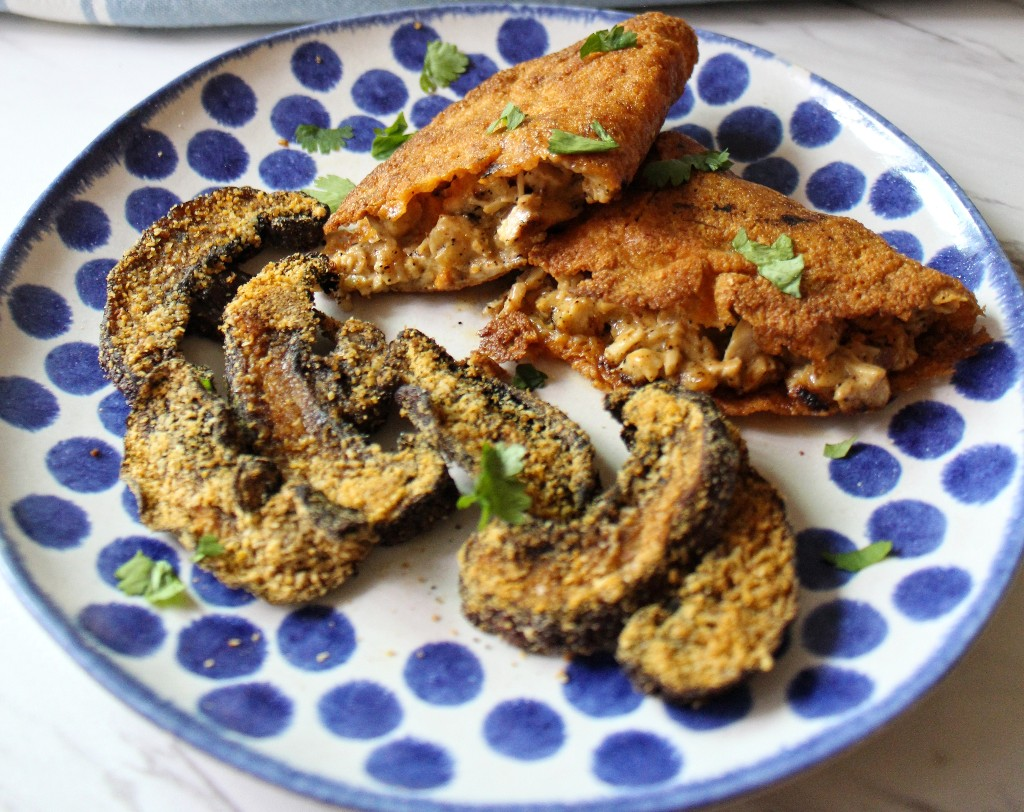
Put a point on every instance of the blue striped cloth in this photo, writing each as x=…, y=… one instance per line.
x=190, y=13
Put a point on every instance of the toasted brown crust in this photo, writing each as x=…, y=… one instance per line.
x=567, y=587
x=669, y=251
x=628, y=91
x=183, y=269
x=297, y=403
x=460, y=405
x=728, y=617
x=192, y=475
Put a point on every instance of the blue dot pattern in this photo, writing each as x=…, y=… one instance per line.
x=444, y=673
x=229, y=100
x=39, y=311
x=927, y=429
x=221, y=647
x=26, y=404
x=828, y=691
x=979, y=474
x=524, y=729
x=206, y=586
x=84, y=464
x=317, y=66
x=412, y=764
x=360, y=710
x=51, y=521
x=931, y=593
x=256, y=709
x=91, y=282
x=635, y=759
x=150, y=155
x=127, y=629
x=897, y=488
x=75, y=368
x=844, y=628
x=866, y=471
x=716, y=712
x=915, y=528
x=316, y=638
x=598, y=687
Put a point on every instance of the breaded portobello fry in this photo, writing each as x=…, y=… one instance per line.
x=727, y=618
x=458, y=204
x=189, y=469
x=460, y=405
x=182, y=270
x=568, y=587
x=649, y=287
x=300, y=406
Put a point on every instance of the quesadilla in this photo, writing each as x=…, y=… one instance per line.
x=463, y=200
x=653, y=286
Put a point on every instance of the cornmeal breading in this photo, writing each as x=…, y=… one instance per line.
x=649, y=287
x=457, y=205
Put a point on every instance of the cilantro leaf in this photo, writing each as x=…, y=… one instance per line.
x=776, y=262
x=498, y=490
x=156, y=581
x=614, y=39
x=856, y=560
x=322, y=139
x=206, y=381
x=442, y=65
x=510, y=118
x=676, y=171
x=563, y=143
x=208, y=546
x=836, y=451
x=330, y=190
x=387, y=140
x=528, y=377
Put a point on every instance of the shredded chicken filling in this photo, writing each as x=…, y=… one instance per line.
x=666, y=345
x=469, y=231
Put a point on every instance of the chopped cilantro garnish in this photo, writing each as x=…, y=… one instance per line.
x=614, y=39
x=387, y=140
x=497, y=489
x=322, y=139
x=676, y=171
x=856, y=560
x=442, y=65
x=510, y=118
x=156, y=581
x=528, y=377
x=206, y=381
x=330, y=190
x=563, y=143
x=208, y=546
x=836, y=451
x=776, y=262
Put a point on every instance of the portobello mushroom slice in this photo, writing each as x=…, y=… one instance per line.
x=567, y=587
x=185, y=267
x=460, y=405
x=728, y=616
x=302, y=407
x=187, y=464
x=464, y=199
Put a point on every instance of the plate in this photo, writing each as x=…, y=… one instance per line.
x=381, y=696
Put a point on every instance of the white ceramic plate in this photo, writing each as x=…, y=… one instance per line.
x=382, y=696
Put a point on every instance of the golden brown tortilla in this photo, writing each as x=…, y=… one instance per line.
x=457, y=205
x=650, y=287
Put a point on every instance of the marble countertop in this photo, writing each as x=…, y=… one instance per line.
x=949, y=74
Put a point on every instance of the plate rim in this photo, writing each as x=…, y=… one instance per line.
x=102, y=152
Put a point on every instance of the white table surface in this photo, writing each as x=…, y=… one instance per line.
x=949, y=73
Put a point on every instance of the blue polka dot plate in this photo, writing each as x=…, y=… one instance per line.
x=382, y=696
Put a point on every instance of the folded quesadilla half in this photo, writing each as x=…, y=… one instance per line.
x=653, y=286
x=464, y=199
